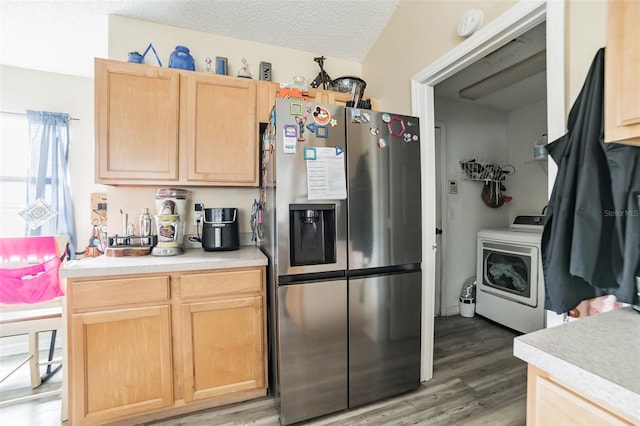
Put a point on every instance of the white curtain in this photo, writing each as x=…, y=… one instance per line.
x=48, y=174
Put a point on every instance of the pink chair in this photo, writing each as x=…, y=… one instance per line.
x=31, y=300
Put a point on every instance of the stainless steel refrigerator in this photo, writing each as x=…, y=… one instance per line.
x=342, y=230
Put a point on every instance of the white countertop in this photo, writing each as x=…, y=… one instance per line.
x=191, y=260
x=599, y=355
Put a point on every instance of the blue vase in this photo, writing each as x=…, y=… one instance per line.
x=182, y=59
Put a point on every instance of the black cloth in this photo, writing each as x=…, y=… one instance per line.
x=591, y=237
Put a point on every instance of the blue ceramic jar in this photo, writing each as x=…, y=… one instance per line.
x=182, y=59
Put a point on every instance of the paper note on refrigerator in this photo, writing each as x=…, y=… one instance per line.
x=326, y=179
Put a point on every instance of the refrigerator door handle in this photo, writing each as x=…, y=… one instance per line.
x=386, y=270
x=311, y=277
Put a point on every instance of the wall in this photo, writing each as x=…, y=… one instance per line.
x=24, y=89
x=418, y=33
x=127, y=34
x=469, y=131
x=528, y=186
x=131, y=200
x=586, y=26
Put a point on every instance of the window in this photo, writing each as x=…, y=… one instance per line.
x=14, y=160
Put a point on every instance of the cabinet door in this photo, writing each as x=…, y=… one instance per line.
x=549, y=403
x=622, y=68
x=337, y=98
x=223, y=347
x=136, y=122
x=121, y=363
x=220, y=130
x=267, y=93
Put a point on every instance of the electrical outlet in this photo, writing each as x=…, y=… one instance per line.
x=198, y=214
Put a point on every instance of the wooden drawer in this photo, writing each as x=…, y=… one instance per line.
x=221, y=283
x=90, y=294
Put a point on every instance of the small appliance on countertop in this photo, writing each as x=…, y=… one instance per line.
x=170, y=205
x=220, y=229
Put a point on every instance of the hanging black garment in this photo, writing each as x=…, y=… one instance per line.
x=591, y=237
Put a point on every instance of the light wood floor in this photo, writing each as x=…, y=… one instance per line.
x=476, y=381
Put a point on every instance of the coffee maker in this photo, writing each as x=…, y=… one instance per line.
x=170, y=219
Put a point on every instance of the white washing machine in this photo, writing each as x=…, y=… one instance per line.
x=510, y=283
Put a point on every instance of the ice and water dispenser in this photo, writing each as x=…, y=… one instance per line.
x=312, y=234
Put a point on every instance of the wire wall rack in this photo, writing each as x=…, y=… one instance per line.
x=485, y=171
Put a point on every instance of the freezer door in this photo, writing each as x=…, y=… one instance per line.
x=384, y=336
x=384, y=189
x=312, y=349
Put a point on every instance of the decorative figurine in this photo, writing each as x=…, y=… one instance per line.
x=322, y=78
x=208, y=68
x=244, y=70
x=137, y=58
x=265, y=71
x=221, y=65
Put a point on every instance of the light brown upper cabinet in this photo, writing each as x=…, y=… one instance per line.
x=622, y=71
x=166, y=126
x=136, y=123
x=268, y=92
x=220, y=130
x=336, y=98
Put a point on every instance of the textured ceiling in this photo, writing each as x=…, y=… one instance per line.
x=41, y=34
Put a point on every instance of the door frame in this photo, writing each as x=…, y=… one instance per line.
x=520, y=18
x=443, y=215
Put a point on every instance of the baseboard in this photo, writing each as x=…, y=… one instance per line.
x=452, y=310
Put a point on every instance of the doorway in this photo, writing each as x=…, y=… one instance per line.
x=516, y=21
x=495, y=111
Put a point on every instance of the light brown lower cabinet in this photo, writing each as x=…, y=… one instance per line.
x=550, y=402
x=126, y=368
x=145, y=347
x=223, y=347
